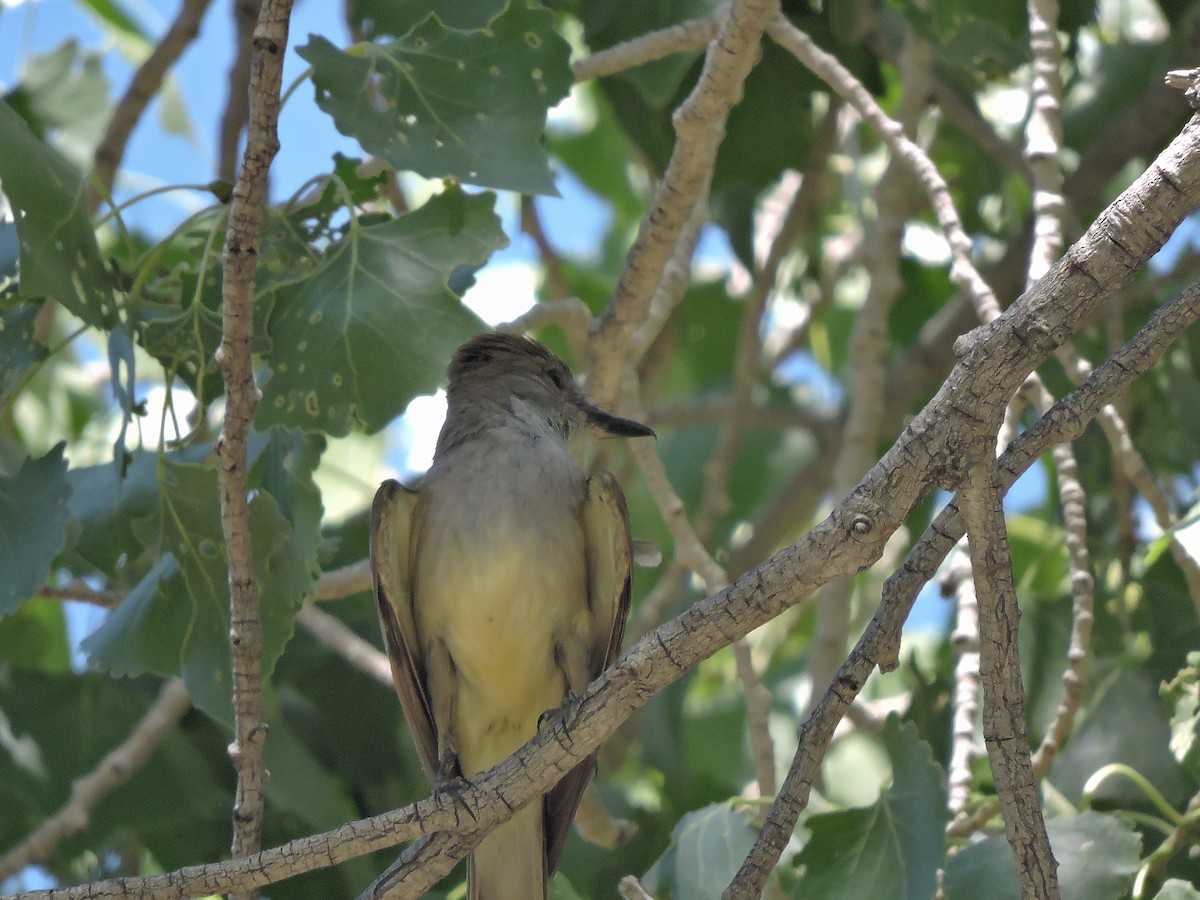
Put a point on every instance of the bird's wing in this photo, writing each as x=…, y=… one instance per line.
x=610, y=580
x=610, y=567
x=392, y=516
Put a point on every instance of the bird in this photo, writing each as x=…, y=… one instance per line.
x=502, y=581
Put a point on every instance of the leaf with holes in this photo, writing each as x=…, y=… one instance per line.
x=33, y=525
x=373, y=327
x=59, y=255
x=186, y=526
x=19, y=348
x=446, y=102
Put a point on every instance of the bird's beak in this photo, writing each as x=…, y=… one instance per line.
x=615, y=426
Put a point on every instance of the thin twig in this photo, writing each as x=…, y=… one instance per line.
x=343, y=582
x=234, y=356
x=81, y=593
x=868, y=356
x=237, y=102
x=699, y=126
x=651, y=46
x=146, y=82
x=339, y=637
x=965, y=639
x=690, y=552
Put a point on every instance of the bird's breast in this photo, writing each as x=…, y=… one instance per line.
x=501, y=575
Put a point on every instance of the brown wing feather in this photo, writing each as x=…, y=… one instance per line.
x=610, y=581
x=392, y=516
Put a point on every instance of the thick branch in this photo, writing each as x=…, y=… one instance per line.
x=1004, y=728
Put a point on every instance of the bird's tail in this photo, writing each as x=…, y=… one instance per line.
x=510, y=863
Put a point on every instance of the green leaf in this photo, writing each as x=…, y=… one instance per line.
x=70, y=103
x=303, y=790
x=374, y=325
x=1097, y=855
x=19, y=349
x=177, y=619
x=190, y=527
x=33, y=525
x=116, y=17
x=1175, y=889
x=1182, y=694
x=59, y=255
x=106, y=500
x=443, y=102
x=918, y=797
x=179, y=314
x=707, y=848
x=892, y=849
x=62, y=726
x=145, y=632
x=35, y=637
x=285, y=472
x=1124, y=724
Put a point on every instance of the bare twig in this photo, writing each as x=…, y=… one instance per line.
x=963, y=749
x=648, y=47
x=531, y=224
x=631, y=889
x=343, y=582
x=143, y=86
x=867, y=356
x=234, y=355
x=117, y=767
x=699, y=125
x=237, y=103
x=690, y=552
x=81, y=593
x=340, y=638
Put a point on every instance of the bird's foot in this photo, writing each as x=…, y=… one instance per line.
x=455, y=787
x=562, y=713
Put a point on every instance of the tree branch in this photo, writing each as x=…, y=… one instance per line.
x=699, y=125
x=237, y=101
x=1004, y=728
x=965, y=702
x=1174, y=179
x=234, y=356
x=648, y=47
x=143, y=86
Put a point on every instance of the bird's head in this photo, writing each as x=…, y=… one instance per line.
x=532, y=380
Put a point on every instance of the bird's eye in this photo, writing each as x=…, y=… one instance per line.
x=557, y=377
